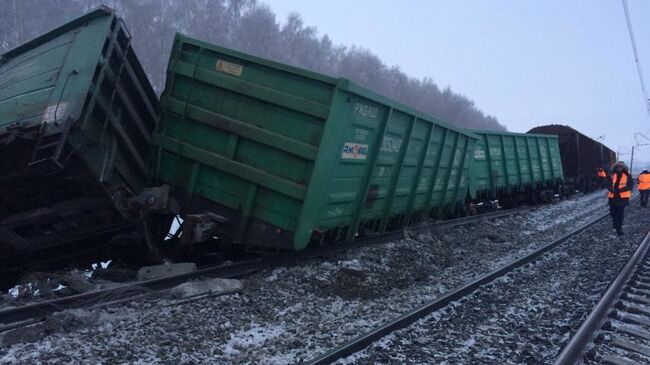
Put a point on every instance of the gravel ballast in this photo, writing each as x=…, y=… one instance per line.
x=291, y=314
x=526, y=317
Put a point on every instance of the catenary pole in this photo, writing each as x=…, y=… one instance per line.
x=632, y=161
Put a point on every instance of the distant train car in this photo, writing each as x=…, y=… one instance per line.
x=515, y=168
x=581, y=156
x=281, y=157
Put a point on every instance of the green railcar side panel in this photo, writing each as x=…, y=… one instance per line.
x=555, y=158
x=84, y=82
x=298, y=151
x=514, y=161
x=77, y=113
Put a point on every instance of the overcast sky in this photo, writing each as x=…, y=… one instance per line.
x=525, y=62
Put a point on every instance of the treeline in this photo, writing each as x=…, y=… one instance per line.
x=248, y=26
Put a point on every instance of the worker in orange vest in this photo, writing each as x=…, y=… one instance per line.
x=619, y=194
x=602, y=177
x=644, y=187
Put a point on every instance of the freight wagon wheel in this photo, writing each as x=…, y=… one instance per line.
x=129, y=248
x=531, y=197
x=508, y=203
x=152, y=234
x=469, y=208
x=463, y=209
x=547, y=196
x=159, y=226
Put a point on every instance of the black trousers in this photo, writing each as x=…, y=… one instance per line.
x=644, y=197
x=618, y=213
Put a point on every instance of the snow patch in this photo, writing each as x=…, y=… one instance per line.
x=353, y=264
x=255, y=336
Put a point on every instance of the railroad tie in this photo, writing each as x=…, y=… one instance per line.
x=615, y=360
x=634, y=332
x=630, y=346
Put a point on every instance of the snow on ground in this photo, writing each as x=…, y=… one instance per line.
x=568, y=210
x=526, y=317
x=291, y=314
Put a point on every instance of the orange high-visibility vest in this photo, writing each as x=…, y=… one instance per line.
x=644, y=181
x=622, y=183
x=601, y=173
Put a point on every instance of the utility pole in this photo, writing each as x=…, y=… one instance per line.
x=600, y=140
x=639, y=144
x=602, y=158
x=618, y=155
x=632, y=161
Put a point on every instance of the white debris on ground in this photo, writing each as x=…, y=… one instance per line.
x=38, y=286
x=304, y=310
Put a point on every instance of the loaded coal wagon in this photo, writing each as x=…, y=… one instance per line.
x=76, y=117
x=581, y=156
x=516, y=167
x=279, y=157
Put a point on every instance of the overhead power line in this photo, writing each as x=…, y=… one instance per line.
x=636, y=56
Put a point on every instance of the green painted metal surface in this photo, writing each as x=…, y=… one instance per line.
x=278, y=149
x=79, y=92
x=514, y=161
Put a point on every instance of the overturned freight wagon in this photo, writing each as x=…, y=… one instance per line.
x=281, y=156
x=581, y=156
x=516, y=167
x=76, y=117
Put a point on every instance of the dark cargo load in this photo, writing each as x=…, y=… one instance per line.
x=581, y=155
x=76, y=117
x=286, y=156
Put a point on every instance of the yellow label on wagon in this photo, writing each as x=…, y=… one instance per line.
x=229, y=68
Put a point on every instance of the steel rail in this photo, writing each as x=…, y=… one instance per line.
x=577, y=346
x=363, y=341
x=473, y=218
x=40, y=310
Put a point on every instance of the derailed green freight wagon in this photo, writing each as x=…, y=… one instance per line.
x=288, y=156
x=516, y=166
x=76, y=117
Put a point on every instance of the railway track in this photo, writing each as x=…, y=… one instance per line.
x=616, y=331
x=31, y=313
x=365, y=340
